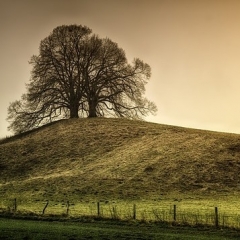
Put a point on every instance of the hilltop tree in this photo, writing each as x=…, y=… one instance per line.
x=79, y=74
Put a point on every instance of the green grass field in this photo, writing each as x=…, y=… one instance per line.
x=28, y=229
x=119, y=163
x=188, y=211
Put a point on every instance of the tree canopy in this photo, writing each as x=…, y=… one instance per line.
x=78, y=74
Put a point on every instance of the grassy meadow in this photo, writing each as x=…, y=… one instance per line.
x=192, y=211
x=119, y=163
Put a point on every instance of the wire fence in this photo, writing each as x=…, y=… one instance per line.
x=124, y=211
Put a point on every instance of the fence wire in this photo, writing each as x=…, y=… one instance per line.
x=123, y=211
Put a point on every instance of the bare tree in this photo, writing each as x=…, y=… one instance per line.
x=80, y=74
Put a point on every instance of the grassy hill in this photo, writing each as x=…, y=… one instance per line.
x=118, y=159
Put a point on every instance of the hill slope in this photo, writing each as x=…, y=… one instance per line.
x=118, y=158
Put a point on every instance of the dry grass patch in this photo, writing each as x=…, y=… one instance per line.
x=118, y=159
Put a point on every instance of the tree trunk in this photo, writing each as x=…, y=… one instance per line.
x=92, y=109
x=74, y=111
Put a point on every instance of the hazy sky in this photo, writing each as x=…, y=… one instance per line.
x=192, y=46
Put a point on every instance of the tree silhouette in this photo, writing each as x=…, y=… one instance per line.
x=79, y=74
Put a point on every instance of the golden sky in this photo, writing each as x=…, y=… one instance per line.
x=192, y=46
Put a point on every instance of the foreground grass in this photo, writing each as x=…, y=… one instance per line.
x=28, y=229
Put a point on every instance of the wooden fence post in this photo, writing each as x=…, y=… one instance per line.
x=45, y=207
x=216, y=217
x=134, y=211
x=98, y=209
x=67, y=207
x=174, y=213
x=15, y=205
